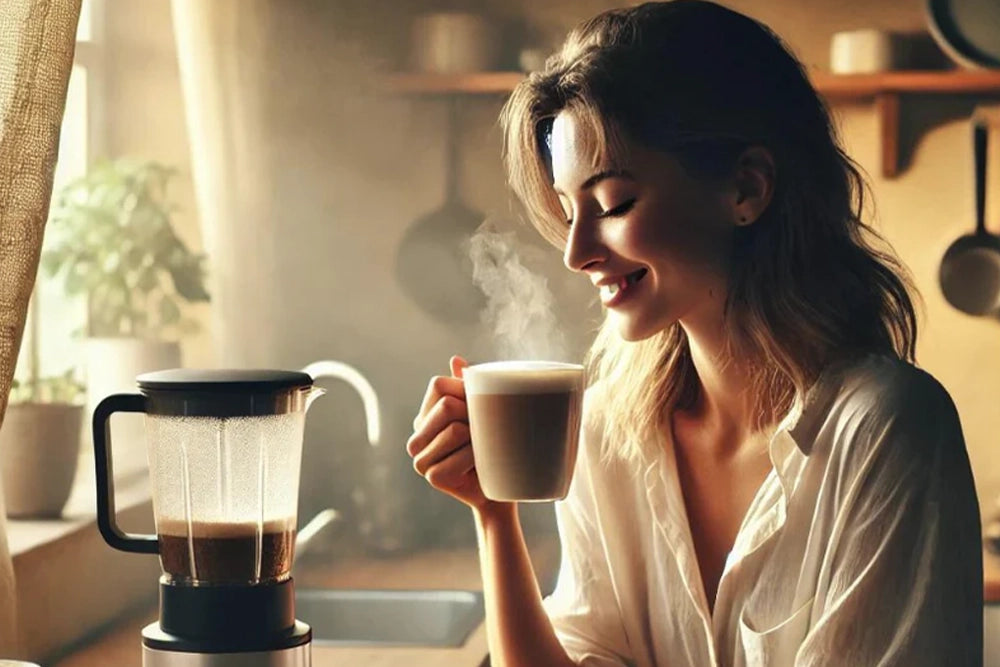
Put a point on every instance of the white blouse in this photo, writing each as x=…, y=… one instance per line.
x=862, y=546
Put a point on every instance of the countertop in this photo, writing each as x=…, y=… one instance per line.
x=437, y=568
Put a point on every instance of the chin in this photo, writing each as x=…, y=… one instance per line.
x=633, y=330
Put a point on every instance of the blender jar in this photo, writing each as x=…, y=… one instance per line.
x=225, y=449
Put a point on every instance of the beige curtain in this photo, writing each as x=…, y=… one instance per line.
x=221, y=54
x=37, y=39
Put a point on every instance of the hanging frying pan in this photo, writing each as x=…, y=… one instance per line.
x=967, y=30
x=432, y=263
x=970, y=270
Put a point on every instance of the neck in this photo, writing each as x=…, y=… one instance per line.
x=724, y=403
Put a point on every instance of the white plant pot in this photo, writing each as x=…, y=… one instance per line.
x=39, y=445
x=111, y=366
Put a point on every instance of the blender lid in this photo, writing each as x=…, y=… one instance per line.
x=224, y=393
x=224, y=380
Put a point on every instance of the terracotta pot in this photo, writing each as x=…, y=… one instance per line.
x=39, y=446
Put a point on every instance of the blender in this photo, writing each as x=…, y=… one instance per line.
x=225, y=449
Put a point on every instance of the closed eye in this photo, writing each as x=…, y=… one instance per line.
x=621, y=209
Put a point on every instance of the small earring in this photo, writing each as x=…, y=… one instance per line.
x=743, y=219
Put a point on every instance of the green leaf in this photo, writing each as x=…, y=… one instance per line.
x=52, y=261
x=111, y=236
x=147, y=281
x=111, y=263
x=77, y=280
x=189, y=278
x=169, y=312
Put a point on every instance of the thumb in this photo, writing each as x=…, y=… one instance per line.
x=458, y=364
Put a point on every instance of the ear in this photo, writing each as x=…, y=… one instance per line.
x=754, y=182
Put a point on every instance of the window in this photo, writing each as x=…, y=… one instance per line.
x=54, y=318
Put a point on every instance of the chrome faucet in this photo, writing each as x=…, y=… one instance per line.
x=353, y=377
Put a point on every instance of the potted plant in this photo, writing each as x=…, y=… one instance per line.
x=112, y=242
x=40, y=440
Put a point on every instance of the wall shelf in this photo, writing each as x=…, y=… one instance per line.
x=885, y=88
x=437, y=84
x=947, y=82
x=888, y=88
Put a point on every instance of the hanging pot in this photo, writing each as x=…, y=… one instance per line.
x=970, y=270
x=966, y=30
x=432, y=264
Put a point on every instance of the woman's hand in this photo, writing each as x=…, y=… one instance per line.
x=441, y=446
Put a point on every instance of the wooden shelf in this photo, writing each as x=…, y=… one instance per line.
x=885, y=88
x=436, y=84
x=834, y=86
x=947, y=82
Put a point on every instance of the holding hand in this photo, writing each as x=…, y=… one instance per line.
x=440, y=446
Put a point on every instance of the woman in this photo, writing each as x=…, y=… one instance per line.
x=763, y=478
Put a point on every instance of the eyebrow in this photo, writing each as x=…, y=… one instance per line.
x=600, y=176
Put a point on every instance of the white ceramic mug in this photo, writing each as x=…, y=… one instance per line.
x=861, y=52
x=524, y=418
x=453, y=42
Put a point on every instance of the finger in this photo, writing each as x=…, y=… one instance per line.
x=439, y=387
x=453, y=438
x=458, y=365
x=448, y=409
x=448, y=472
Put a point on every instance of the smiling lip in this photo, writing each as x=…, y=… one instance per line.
x=613, y=293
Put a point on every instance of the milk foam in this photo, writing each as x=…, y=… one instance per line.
x=523, y=377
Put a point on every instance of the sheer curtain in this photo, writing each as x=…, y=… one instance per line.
x=36, y=57
x=221, y=54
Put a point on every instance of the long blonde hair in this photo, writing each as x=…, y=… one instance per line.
x=811, y=282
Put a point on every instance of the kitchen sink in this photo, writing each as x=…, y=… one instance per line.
x=389, y=617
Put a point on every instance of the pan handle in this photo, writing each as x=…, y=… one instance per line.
x=979, y=143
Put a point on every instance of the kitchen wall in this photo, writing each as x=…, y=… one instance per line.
x=356, y=166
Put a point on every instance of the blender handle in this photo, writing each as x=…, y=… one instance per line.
x=107, y=519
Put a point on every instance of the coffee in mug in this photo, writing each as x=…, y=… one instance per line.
x=524, y=418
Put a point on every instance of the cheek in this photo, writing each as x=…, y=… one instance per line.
x=697, y=239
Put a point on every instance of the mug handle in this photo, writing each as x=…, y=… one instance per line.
x=107, y=518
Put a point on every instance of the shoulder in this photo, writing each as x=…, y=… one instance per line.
x=879, y=389
x=882, y=408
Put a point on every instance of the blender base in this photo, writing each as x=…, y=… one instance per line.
x=298, y=656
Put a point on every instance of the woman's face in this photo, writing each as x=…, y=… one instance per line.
x=653, y=240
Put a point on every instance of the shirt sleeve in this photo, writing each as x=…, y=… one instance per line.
x=904, y=584
x=583, y=607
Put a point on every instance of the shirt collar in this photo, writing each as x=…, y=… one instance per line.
x=796, y=435
x=807, y=417
x=789, y=447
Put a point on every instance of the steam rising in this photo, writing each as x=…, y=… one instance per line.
x=520, y=307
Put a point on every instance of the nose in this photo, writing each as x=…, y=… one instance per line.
x=583, y=249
